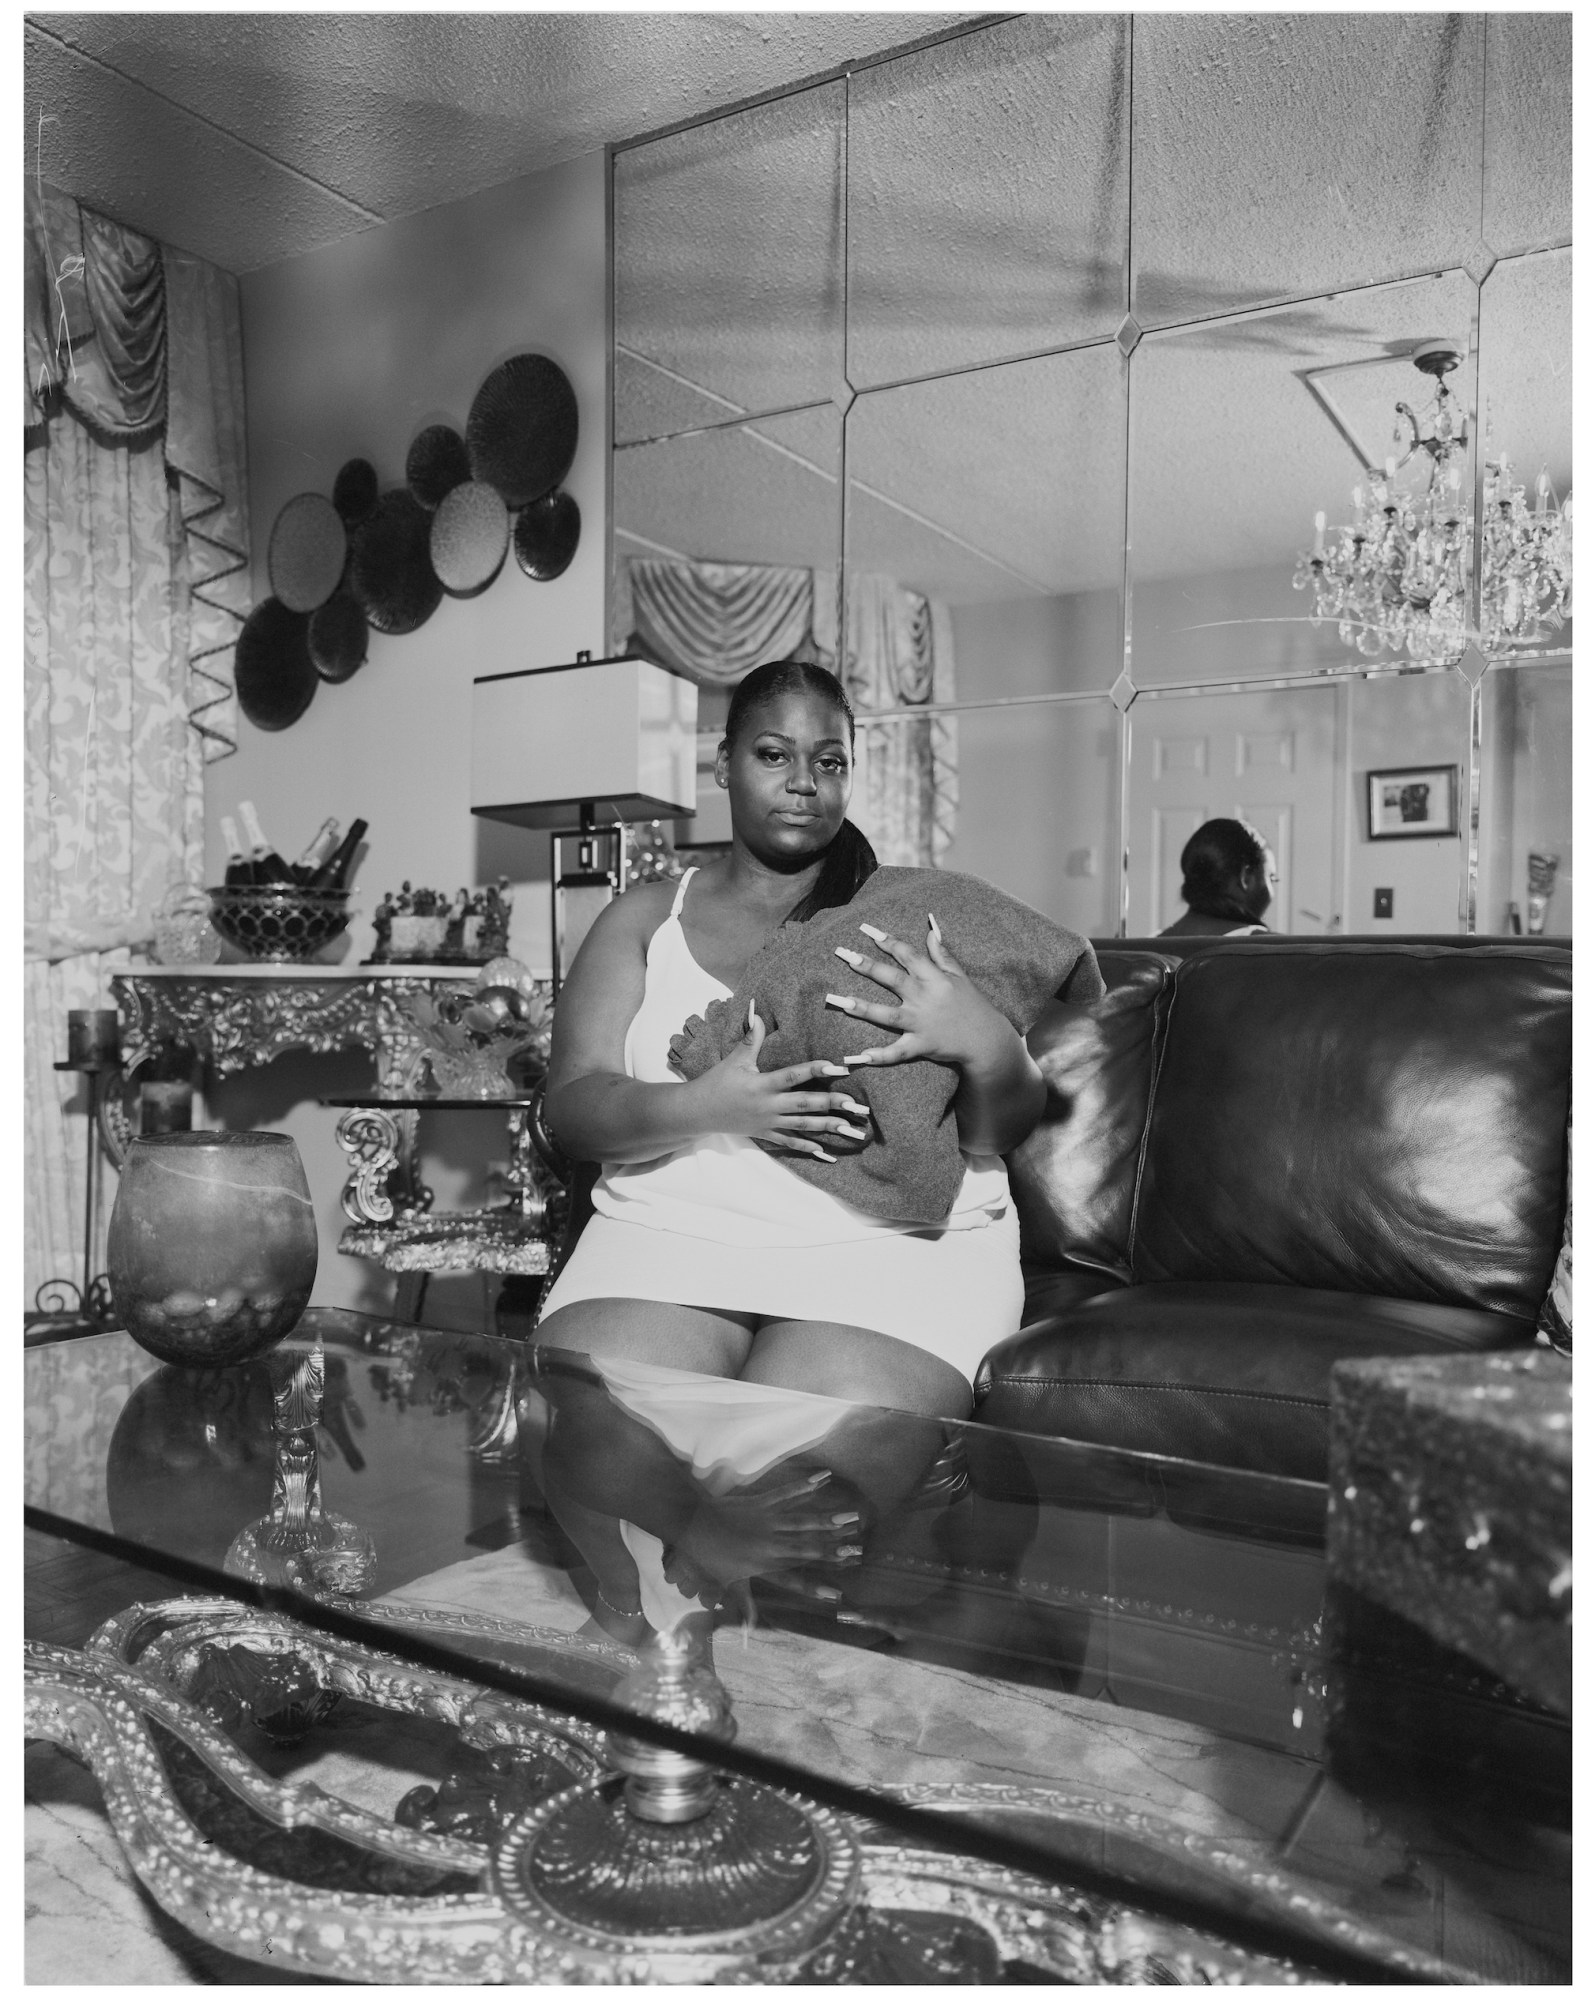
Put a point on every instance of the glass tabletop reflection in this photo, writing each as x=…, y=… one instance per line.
x=1106, y=1660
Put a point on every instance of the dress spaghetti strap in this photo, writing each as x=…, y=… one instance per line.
x=680, y=896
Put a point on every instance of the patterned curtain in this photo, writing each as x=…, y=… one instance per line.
x=134, y=581
x=718, y=620
x=899, y=654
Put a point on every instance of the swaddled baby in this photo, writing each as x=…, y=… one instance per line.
x=1018, y=959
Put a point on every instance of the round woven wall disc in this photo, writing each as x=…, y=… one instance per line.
x=469, y=538
x=275, y=680
x=337, y=637
x=547, y=533
x=436, y=464
x=356, y=489
x=390, y=573
x=307, y=552
x=521, y=431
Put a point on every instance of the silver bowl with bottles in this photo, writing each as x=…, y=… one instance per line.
x=280, y=923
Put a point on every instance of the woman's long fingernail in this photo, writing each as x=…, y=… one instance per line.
x=932, y=925
x=853, y=1060
x=854, y=1104
x=838, y=1000
x=872, y=931
x=844, y=1520
x=850, y=957
x=826, y=1591
x=751, y=1013
x=849, y=1132
x=820, y=1154
x=832, y=1069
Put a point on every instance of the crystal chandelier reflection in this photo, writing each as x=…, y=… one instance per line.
x=1527, y=560
x=1396, y=579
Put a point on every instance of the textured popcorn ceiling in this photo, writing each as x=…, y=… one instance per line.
x=1008, y=191
x=252, y=137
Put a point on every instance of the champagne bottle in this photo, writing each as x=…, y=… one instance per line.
x=316, y=852
x=337, y=868
x=238, y=867
x=268, y=868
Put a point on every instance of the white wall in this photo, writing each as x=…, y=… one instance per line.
x=349, y=353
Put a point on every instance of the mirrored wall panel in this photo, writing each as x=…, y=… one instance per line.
x=975, y=237
x=1527, y=428
x=998, y=495
x=953, y=791
x=1047, y=383
x=1306, y=768
x=1530, y=64
x=729, y=259
x=1241, y=432
x=1525, y=869
x=727, y=546
x=1278, y=156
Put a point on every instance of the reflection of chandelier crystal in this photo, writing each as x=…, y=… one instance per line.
x=1527, y=559
x=1395, y=580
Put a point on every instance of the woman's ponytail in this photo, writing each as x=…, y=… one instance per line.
x=847, y=862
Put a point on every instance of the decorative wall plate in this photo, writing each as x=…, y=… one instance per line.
x=391, y=572
x=275, y=678
x=356, y=488
x=436, y=464
x=547, y=534
x=337, y=637
x=522, y=428
x=307, y=552
x=471, y=533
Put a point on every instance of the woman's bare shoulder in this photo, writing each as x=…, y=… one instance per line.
x=634, y=916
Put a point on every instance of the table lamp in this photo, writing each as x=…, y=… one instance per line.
x=579, y=750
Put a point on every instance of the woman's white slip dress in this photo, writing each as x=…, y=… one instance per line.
x=721, y=1224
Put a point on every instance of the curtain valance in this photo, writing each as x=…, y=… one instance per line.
x=138, y=341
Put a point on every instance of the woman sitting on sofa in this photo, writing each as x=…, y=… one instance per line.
x=1229, y=874
x=706, y=1252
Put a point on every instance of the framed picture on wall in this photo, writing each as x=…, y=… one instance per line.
x=1421, y=803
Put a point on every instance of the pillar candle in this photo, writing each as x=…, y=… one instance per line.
x=93, y=1035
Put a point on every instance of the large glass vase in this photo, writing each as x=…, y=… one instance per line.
x=213, y=1248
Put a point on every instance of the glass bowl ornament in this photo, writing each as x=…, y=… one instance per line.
x=212, y=1247
x=183, y=933
x=489, y=1043
x=282, y=923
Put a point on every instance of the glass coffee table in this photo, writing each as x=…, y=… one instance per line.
x=481, y=1663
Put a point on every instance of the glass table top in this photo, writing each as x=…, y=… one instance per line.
x=1121, y=1673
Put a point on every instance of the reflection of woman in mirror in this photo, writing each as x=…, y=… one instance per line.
x=1229, y=874
x=705, y=1252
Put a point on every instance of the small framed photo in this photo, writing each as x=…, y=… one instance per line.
x=1421, y=803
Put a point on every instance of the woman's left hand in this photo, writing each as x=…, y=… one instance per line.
x=937, y=1014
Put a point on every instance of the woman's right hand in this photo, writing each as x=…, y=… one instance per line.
x=774, y=1107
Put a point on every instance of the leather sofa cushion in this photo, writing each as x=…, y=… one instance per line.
x=1368, y=1118
x=1074, y=1179
x=1052, y=1291
x=1222, y=1373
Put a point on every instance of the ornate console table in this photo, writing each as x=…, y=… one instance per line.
x=236, y=1017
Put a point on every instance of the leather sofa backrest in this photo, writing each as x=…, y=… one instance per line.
x=1377, y=1118
x=1074, y=1179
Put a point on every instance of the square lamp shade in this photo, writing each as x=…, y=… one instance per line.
x=617, y=735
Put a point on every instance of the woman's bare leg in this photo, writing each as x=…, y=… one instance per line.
x=589, y=1432
x=694, y=1338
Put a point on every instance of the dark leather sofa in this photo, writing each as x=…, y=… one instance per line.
x=1263, y=1156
